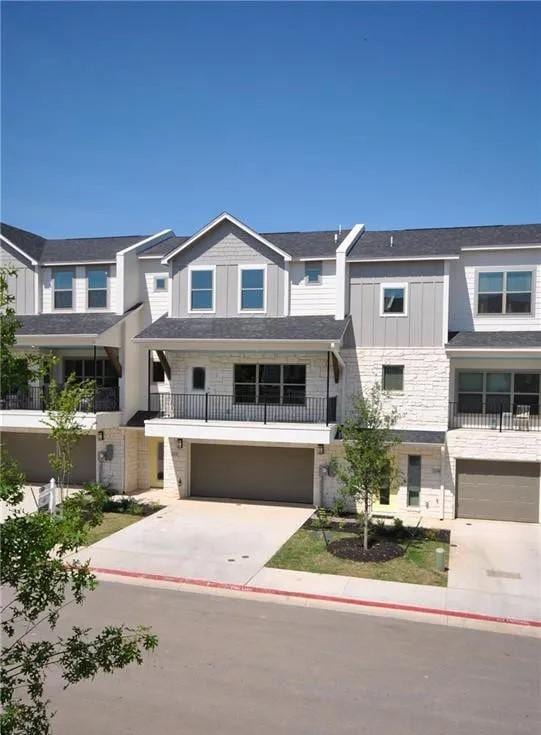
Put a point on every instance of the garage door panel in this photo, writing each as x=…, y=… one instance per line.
x=505, y=491
x=31, y=452
x=276, y=474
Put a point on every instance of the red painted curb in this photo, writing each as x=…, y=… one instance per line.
x=324, y=598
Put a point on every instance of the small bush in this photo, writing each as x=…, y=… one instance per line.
x=130, y=506
x=339, y=507
x=322, y=518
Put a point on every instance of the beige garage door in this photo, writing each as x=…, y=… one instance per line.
x=31, y=452
x=252, y=473
x=499, y=491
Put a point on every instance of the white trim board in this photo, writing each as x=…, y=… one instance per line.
x=18, y=249
x=214, y=223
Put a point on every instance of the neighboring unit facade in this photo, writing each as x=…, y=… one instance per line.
x=225, y=361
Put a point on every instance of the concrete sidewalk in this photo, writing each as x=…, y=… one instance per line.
x=445, y=599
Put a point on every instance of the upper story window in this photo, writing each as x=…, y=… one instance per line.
x=97, y=288
x=158, y=373
x=202, y=289
x=494, y=391
x=394, y=298
x=281, y=384
x=63, y=288
x=252, y=288
x=504, y=292
x=198, y=378
x=312, y=271
x=160, y=283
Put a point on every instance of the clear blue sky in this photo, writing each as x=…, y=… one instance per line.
x=125, y=118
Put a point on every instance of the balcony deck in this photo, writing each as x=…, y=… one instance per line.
x=35, y=398
x=514, y=417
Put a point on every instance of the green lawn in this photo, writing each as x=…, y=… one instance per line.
x=306, y=551
x=112, y=522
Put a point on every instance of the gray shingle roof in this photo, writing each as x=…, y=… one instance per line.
x=75, y=323
x=440, y=241
x=504, y=340
x=86, y=248
x=165, y=246
x=414, y=436
x=70, y=249
x=29, y=242
x=325, y=328
x=317, y=244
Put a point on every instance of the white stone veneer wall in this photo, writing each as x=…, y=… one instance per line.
x=431, y=479
x=424, y=403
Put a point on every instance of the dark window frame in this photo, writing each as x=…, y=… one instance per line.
x=384, y=369
x=289, y=393
x=414, y=490
x=158, y=373
x=201, y=372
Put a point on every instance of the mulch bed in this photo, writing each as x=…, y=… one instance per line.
x=352, y=548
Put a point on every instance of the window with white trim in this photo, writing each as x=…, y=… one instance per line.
x=198, y=378
x=313, y=270
x=202, y=289
x=96, y=279
x=160, y=283
x=252, y=289
x=393, y=299
x=63, y=288
x=504, y=292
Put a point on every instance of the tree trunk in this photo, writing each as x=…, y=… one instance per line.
x=365, y=535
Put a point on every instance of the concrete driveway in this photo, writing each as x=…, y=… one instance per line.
x=218, y=541
x=497, y=560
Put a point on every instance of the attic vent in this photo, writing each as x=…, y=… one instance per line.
x=335, y=237
x=391, y=241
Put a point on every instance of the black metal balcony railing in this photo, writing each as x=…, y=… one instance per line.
x=508, y=417
x=35, y=398
x=211, y=407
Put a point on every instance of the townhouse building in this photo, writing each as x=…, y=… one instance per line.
x=225, y=361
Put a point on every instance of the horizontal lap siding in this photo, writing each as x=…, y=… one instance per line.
x=313, y=298
x=462, y=286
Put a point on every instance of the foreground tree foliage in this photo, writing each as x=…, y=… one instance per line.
x=368, y=466
x=39, y=579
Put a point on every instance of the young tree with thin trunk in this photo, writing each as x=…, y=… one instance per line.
x=368, y=465
x=63, y=405
x=38, y=580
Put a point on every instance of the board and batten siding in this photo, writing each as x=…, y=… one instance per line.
x=313, y=298
x=21, y=285
x=156, y=303
x=463, y=290
x=79, y=289
x=423, y=324
x=226, y=247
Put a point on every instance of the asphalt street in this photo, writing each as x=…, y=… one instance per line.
x=247, y=667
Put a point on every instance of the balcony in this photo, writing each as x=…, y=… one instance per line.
x=510, y=417
x=208, y=407
x=34, y=398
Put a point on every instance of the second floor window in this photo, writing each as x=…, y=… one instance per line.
x=281, y=384
x=252, y=289
x=393, y=299
x=312, y=271
x=504, y=292
x=97, y=288
x=63, y=288
x=202, y=290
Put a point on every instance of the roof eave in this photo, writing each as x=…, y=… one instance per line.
x=213, y=223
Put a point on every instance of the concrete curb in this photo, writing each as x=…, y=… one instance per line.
x=321, y=598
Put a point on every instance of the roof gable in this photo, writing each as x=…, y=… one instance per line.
x=224, y=217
